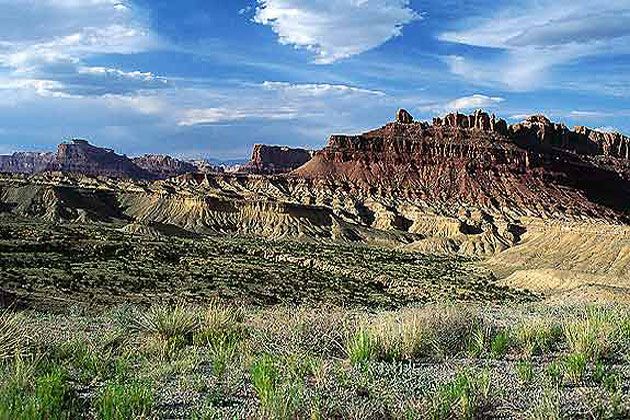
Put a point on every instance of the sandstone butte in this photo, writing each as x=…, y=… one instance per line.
x=546, y=207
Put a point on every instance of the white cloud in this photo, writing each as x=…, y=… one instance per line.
x=208, y=116
x=335, y=29
x=465, y=103
x=474, y=101
x=117, y=73
x=276, y=101
x=46, y=43
x=589, y=114
x=144, y=104
x=319, y=89
x=535, y=37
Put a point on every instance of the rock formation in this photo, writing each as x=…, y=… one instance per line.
x=164, y=167
x=270, y=160
x=533, y=168
x=26, y=162
x=403, y=117
x=81, y=157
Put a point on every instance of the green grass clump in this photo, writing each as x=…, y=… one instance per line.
x=575, y=367
x=537, y=337
x=27, y=392
x=362, y=347
x=525, y=371
x=125, y=401
x=592, y=335
x=168, y=323
x=465, y=397
x=500, y=345
x=277, y=400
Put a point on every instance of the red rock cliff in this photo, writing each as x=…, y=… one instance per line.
x=276, y=159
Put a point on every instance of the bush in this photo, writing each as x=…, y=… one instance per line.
x=536, y=337
x=465, y=397
x=125, y=401
x=177, y=322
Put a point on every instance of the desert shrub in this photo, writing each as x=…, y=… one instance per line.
x=464, y=397
x=548, y=407
x=591, y=335
x=124, y=401
x=321, y=332
x=431, y=331
x=177, y=322
x=607, y=376
x=536, y=337
x=219, y=323
x=13, y=335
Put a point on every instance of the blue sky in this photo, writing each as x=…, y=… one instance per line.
x=209, y=78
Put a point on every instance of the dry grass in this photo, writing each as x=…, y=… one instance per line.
x=13, y=335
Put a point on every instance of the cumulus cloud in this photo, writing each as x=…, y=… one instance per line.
x=538, y=36
x=335, y=29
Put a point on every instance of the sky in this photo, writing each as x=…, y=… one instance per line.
x=210, y=78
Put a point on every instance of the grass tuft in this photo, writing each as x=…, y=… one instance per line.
x=178, y=322
x=465, y=397
x=13, y=336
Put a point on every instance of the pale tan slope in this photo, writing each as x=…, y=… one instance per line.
x=568, y=262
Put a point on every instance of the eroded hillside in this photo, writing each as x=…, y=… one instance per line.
x=529, y=196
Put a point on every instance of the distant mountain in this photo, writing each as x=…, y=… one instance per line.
x=80, y=157
x=26, y=162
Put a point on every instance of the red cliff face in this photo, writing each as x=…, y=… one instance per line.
x=480, y=160
x=276, y=159
x=83, y=158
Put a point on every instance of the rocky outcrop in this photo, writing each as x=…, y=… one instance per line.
x=81, y=157
x=403, y=117
x=26, y=162
x=539, y=131
x=164, y=167
x=270, y=160
x=536, y=168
